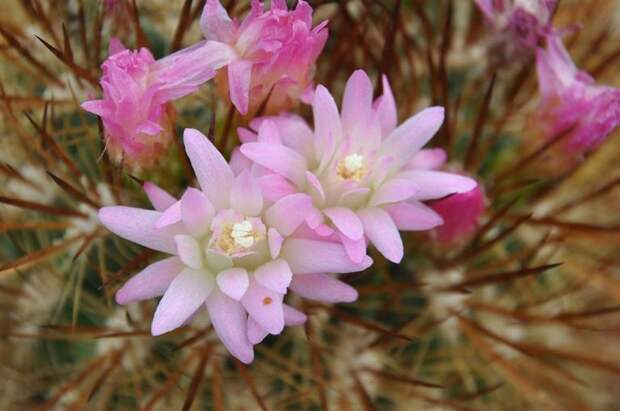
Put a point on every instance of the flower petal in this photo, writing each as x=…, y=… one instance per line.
x=385, y=107
x=246, y=196
x=322, y=287
x=150, y=282
x=188, y=250
x=196, y=212
x=275, y=242
x=437, y=184
x=256, y=333
x=275, y=275
x=279, y=159
x=382, y=232
x=229, y=322
x=274, y=187
x=170, y=216
x=356, y=249
x=428, y=159
x=215, y=23
x=356, y=104
x=327, y=125
x=159, y=198
x=288, y=213
x=293, y=317
x=184, y=296
x=239, y=80
x=138, y=225
x=311, y=256
x=212, y=170
x=414, y=216
x=233, y=282
x=413, y=134
x=346, y=221
x=393, y=191
x=265, y=306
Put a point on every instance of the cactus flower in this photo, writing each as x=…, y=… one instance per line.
x=367, y=177
x=137, y=89
x=233, y=252
x=573, y=107
x=519, y=25
x=274, y=53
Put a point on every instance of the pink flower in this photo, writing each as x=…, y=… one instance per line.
x=367, y=177
x=233, y=252
x=136, y=91
x=571, y=103
x=461, y=214
x=274, y=50
x=518, y=25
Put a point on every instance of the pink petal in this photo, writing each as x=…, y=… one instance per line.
x=288, y=213
x=393, y=191
x=215, y=22
x=246, y=136
x=279, y=159
x=275, y=275
x=115, y=46
x=311, y=256
x=414, y=216
x=159, y=198
x=150, y=282
x=346, y=221
x=385, y=107
x=382, y=232
x=322, y=287
x=293, y=317
x=170, y=216
x=414, y=133
x=429, y=159
x=356, y=104
x=314, y=187
x=238, y=162
x=239, y=79
x=196, y=212
x=138, y=225
x=265, y=306
x=437, y=184
x=274, y=187
x=327, y=125
x=186, y=294
x=356, y=249
x=188, y=250
x=246, y=196
x=275, y=242
x=233, y=282
x=212, y=170
x=256, y=333
x=268, y=132
x=229, y=322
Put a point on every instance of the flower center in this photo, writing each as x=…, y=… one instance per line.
x=237, y=237
x=352, y=167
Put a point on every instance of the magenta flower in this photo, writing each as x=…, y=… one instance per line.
x=366, y=176
x=571, y=103
x=274, y=52
x=518, y=25
x=461, y=214
x=233, y=251
x=136, y=116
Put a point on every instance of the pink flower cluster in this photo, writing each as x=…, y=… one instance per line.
x=298, y=203
x=270, y=55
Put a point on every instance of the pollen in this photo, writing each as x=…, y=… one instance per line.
x=267, y=301
x=352, y=167
x=243, y=234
